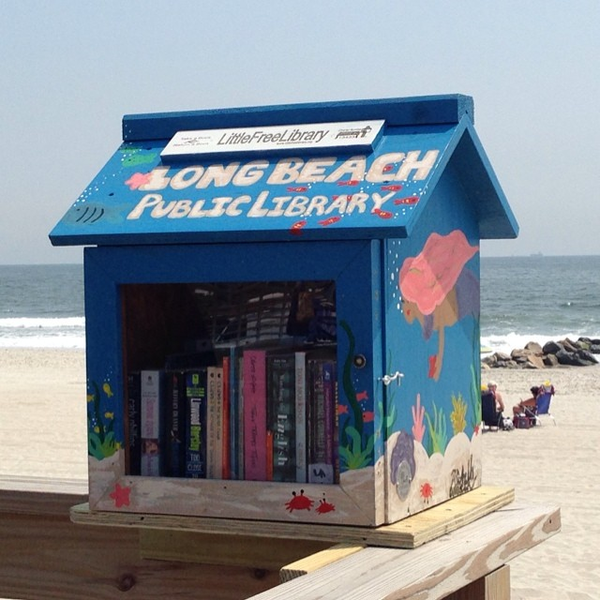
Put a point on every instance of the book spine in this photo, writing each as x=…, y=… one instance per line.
x=281, y=415
x=301, y=413
x=240, y=420
x=211, y=435
x=255, y=417
x=226, y=472
x=219, y=410
x=151, y=430
x=329, y=411
x=195, y=464
x=176, y=425
x=319, y=469
x=134, y=442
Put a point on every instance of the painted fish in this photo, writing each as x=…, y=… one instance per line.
x=383, y=214
x=407, y=200
x=329, y=221
x=296, y=228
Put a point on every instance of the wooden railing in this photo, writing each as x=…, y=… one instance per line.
x=43, y=555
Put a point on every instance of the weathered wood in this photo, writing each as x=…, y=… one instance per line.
x=49, y=500
x=46, y=557
x=311, y=563
x=495, y=586
x=408, y=533
x=432, y=571
x=214, y=549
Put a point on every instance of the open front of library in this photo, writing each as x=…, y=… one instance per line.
x=282, y=310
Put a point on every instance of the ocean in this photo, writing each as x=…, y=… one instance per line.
x=534, y=298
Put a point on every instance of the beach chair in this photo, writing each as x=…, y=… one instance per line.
x=542, y=403
x=489, y=415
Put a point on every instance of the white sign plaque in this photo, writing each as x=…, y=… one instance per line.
x=280, y=138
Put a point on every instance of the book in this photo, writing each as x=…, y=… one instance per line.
x=281, y=415
x=152, y=428
x=195, y=440
x=214, y=424
x=301, y=414
x=176, y=418
x=226, y=471
x=320, y=426
x=330, y=413
x=133, y=429
x=239, y=420
x=255, y=414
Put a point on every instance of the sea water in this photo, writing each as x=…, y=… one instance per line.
x=533, y=298
x=539, y=298
x=41, y=306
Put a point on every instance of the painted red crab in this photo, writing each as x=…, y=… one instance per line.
x=300, y=502
x=325, y=507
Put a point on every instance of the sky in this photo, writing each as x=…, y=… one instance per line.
x=70, y=70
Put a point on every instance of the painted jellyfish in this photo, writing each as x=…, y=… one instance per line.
x=437, y=290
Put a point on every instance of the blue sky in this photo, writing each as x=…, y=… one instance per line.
x=70, y=70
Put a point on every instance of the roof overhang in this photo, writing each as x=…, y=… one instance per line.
x=354, y=189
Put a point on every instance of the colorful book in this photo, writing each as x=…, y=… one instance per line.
x=134, y=439
x=195, y=441
x=281, y=415
x=255, y=415
x=226, y=472
x=320, y=467
x=152, y=427
x=176, y=418
x=239, y=420
x=214, y=424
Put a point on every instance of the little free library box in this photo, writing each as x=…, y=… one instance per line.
x=282, y=310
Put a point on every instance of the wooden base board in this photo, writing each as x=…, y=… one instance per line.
x=408, y=533
x=216, y=549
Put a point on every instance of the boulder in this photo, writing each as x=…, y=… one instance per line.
x=534, y=362
x=534, y=348
x=586, y=358
x=584, y=343
x=551, y=348
x=565, y=357
x=550, y=360
x=569, y=345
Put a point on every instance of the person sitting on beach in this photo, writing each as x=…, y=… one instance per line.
x=529, y=404
x=493, y=388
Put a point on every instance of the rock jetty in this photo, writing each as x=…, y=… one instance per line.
x=580, y=353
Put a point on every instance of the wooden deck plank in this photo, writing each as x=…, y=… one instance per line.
x=432, y=571
x=215, y=549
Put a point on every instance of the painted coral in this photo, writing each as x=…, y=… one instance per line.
x=458, y=416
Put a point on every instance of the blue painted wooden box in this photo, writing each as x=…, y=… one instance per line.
x=350, y=229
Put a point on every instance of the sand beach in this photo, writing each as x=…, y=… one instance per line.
x=43, y=425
